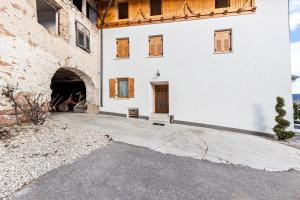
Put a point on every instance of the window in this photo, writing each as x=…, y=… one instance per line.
x=123, y=10
x=222, y=3
x=123, y=48
x=91, y=13
x=78, y=4
x=82, y=36
x=121, y=88
x=155, y=7
x=223, y=43
x=47, y=15
x=156, y=45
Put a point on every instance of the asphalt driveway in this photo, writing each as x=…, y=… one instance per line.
x=122, y=171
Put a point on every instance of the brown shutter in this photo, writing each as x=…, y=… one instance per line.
x=131, y=87
x=151, y=46
x=112, y=88
x=123, y=48
x=227, y=41
x=119, y=49
x=159, y=46
x=155, y=46
x=126, y=48
x=218, y=41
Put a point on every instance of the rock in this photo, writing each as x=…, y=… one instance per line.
x=6, y=120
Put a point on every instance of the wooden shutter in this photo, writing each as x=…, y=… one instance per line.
x=223, y=41
x=126, y=48
x=112, y=88
x=131, y=87
x=218, y=41
x=151, y=46
x=123, y=48
x=155, y=46
x=226, y=37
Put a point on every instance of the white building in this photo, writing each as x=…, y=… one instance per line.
x=235, y=88
x=212, y=63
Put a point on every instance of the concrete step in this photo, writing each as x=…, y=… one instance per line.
x=159, y=118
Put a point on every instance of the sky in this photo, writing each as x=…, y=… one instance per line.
x=295, y=41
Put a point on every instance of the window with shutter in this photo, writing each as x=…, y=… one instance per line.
x=222, y=3
x=82, y=36
x=156, y=45
x=223, y=41
x=122, y=48
x=121, y=88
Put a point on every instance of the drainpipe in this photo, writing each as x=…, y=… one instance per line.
x=101, y=51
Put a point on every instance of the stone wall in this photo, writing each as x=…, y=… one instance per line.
x=30, y=55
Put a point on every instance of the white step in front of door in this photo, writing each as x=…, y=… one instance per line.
x=159, y=118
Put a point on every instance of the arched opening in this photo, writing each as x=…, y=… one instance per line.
x=68, y=92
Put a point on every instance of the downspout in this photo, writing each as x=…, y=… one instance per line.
x=101, y=51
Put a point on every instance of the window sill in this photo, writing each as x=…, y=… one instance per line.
x=84, y=49
x=123, y=20
x=156, y=16
x=155, y=56
x=122, y=98
x=122, y=58
x=230, y=52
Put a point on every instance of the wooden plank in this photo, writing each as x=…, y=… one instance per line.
x=131, y=87
x=112, y=88
x=173, y=10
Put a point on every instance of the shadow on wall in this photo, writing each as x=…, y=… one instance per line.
x=259, y=119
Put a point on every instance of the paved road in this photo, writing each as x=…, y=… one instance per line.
x=193, y=142
x=126, y=172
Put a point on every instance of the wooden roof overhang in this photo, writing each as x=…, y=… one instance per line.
x=183, y=12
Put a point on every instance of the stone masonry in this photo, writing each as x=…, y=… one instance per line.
x=30, y=54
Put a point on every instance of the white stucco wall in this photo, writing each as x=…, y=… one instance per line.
x=235, y=90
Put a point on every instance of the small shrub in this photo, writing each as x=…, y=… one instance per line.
x=36, y=109
x=282, y=124
x=9, y=92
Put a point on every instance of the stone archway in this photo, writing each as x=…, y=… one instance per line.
x=67, y=81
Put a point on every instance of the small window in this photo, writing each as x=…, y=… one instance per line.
x=78, y=4
x=156, y=45
x=123, y=10
x=82, y=37
x=47, y=15
x=91, y=13
x=155, y=7
x=123, y=48
x=222, y=3
x=223, y=43
x=121, y=88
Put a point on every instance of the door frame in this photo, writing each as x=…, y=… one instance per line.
x=152, y=94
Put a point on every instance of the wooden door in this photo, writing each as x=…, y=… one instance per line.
x=162, y=98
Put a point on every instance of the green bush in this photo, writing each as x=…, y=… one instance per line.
x=282, y=124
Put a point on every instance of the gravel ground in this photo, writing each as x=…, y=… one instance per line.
x=34, y=150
